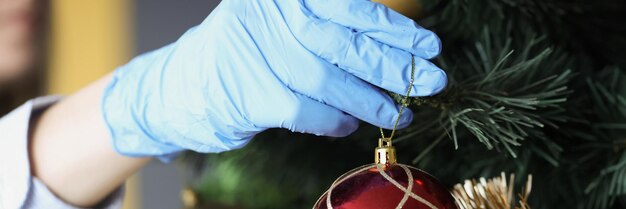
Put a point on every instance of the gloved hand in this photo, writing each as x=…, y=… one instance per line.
x=306, y=65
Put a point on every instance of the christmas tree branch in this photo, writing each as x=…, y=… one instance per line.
x=500, y=95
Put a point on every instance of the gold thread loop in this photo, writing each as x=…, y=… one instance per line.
x=405, y=103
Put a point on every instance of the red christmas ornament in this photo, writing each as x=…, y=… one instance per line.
x=386, y=185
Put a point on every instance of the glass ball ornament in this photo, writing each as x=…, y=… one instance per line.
x=386, y=185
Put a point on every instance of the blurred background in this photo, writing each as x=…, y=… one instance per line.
x=91, y=38
x=87, y=39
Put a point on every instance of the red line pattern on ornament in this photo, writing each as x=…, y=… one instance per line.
x=407, y=191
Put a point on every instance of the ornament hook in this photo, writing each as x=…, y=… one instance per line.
x=385, y=153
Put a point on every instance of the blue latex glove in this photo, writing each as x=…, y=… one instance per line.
x=305, y=65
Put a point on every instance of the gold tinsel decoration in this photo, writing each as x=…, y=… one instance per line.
x=494, y=193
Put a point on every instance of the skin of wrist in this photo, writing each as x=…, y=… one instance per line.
x=71, y=153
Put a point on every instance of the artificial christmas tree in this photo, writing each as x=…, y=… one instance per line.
x=535, y=87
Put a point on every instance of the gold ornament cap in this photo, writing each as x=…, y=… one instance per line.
x=385, y=153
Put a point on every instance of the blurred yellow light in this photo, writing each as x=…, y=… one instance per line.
x=409, y=8
x=89, y=39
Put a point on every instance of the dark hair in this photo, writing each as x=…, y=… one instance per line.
x=32, y=84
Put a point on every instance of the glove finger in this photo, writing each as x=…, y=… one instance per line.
x=379, y=22
x=302, y=114
x=361, y=55
x=372, y=61
x=330, y=85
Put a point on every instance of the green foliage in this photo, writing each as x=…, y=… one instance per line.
x=605, y=153
x=500, y=96
x=534, y=87
x=279, y=169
